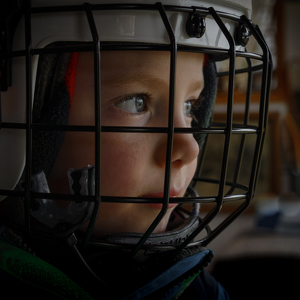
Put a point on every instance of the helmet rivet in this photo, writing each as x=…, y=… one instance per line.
x=195, y=26
x=242, y=36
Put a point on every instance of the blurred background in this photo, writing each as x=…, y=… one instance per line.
x=258, y=256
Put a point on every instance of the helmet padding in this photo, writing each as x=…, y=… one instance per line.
x=53, y=94
x=204, y=112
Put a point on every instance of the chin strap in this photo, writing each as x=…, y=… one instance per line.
x=173, y=237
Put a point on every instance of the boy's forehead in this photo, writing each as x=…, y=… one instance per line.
x=128, y=66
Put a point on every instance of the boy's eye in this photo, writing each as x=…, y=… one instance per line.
x=132, y=104
x=190, y=106
x=187, y=108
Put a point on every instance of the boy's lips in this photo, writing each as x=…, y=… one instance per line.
x=173, y=194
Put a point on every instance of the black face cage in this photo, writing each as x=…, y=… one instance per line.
x=228, y=189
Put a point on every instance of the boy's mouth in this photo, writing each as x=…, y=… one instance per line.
x=173, y=194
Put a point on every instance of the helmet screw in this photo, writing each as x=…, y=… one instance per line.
x=242, y=36
x=195, y=26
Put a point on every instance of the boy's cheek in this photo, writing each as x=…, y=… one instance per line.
x=123, y=164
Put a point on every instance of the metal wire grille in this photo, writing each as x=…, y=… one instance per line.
x=226, y=129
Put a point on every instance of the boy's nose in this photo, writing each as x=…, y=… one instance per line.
x=185, y=148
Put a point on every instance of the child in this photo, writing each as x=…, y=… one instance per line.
x=135, y=88
x=134, y=241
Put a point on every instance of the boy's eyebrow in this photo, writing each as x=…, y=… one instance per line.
x=145, y=78
x=130, y=78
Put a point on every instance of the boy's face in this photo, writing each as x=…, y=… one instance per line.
x=134, y=92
